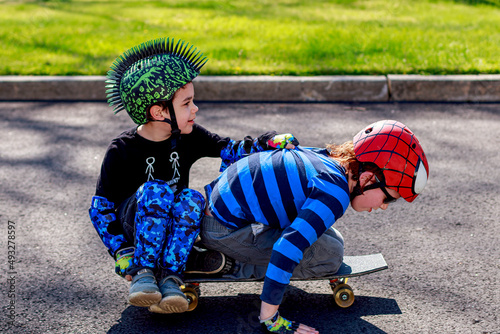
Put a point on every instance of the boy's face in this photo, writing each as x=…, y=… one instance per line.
x=372, y=199
x=185, y=109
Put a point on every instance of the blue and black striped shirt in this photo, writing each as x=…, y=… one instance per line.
x=301, y=191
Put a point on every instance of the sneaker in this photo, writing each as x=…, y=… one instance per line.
x=144, y=290
x=208, y=262
x=173, y=299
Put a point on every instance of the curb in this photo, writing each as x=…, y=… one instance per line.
x=444, y=88
x=390, y=88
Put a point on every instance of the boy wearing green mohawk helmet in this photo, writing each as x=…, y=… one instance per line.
x=143, y=210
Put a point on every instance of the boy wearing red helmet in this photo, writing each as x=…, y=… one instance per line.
x=273, y=211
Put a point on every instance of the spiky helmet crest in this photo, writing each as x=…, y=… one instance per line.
x=149, y=73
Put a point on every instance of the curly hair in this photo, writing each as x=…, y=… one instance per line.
x=345, y=154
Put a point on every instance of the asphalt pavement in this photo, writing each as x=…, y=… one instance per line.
x=442, y=250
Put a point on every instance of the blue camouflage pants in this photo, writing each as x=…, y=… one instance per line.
x=165, y=226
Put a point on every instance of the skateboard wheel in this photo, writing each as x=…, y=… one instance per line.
x=192, y=296
x=343, y=295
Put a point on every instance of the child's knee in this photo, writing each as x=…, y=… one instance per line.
x=189, y=205
x=339, y=237
x=331, y=243
x=190, y=196
x=154, y=197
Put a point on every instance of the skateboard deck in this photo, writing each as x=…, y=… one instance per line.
x=352, y=266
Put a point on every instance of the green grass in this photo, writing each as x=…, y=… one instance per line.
x=275, y=37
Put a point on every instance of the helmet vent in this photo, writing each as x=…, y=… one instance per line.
x=367, y=131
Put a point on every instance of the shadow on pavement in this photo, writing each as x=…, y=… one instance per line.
x=239, y=314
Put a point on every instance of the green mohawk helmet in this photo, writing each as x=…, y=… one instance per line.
x=151, y=72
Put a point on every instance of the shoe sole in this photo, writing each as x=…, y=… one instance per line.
x=157, y=309
x=208, y=266
x=144, y=299
x=174, y=304
x=224, y=266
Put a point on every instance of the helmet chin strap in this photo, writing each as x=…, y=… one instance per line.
x=176, y=132
x=356, y=191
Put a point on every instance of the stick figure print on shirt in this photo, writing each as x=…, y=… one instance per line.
x=174, y=159
x=150, y=169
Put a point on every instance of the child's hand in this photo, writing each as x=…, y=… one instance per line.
x=286, y=140
x=124, y=260
x=278, y=324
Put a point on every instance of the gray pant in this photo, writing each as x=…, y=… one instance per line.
x=251, y=247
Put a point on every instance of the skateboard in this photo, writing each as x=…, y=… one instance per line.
x=352, y=266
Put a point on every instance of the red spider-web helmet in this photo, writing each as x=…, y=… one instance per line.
x=393, y=147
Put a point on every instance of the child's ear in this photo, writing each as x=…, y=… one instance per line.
x=364, y=178
x=157, y=113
